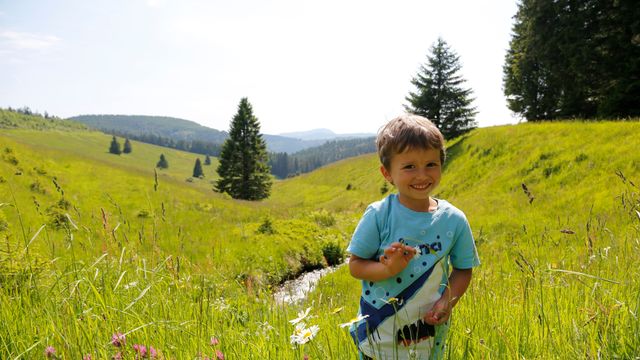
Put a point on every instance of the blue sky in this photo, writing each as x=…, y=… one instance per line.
x=342, y=65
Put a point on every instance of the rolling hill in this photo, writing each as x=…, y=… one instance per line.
x=94, y=245
x=183, y=130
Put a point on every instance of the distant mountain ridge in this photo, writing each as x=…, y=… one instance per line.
x=323, y=134
x=186, y=130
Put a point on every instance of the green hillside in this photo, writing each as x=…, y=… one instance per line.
x=174, y=265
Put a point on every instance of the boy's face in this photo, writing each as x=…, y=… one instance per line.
x=415, y=173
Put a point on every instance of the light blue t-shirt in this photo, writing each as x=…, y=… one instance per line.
x=393, y=328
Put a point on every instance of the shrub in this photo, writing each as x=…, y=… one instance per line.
x=323, y=218
x=266, y=227
x=311, y=258
x=333, y=253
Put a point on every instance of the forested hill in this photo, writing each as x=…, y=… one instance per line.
x=163, y=126
x=160, y=130
x=285, y=165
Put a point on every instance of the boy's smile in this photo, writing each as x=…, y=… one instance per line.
x=415, y=173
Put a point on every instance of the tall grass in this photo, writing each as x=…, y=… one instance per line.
x=90, y=247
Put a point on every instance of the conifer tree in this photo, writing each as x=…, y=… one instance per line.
x=243, y=168
x=574, y=59
x=115, y=147
x=127, y=146
x=197, y=169
x=439, y=94
x=163, y=163
x=207, y=160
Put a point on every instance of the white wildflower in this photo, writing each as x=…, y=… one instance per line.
x=301, y=316
x=354, y=320
x=302, y=335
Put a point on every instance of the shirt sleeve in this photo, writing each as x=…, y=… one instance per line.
x=464, y=254
x=365, y=241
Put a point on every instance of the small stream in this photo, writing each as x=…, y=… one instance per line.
x=295, y=290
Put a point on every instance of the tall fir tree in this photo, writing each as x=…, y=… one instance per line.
x=197, y=169
x=127, y=146
x=243, y=162
x=114, y=148
x=207, y=160
x=574, y=59
x=440, y=95
x=163, y=163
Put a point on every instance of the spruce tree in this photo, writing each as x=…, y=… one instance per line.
x=207, y=160
x=127, y=146
x=163, y=163
x=243, y=168
x=439, y=94
x=574, y=59
x=115, y=147
x=197, y=169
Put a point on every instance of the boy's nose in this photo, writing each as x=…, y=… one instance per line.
x=423, y=173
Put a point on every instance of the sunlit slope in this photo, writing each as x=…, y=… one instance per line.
x=570, y=169
x=66, y=179
x=559, y=261
x=113, y=198
x=94, y=147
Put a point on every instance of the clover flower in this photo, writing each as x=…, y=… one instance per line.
x=219, y=355
x=118, y=339
x=50, y=352
x=141, y=351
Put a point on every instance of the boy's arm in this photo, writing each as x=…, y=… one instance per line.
x=396, y=257
x=458, y=283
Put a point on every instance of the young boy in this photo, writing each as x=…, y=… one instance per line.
x=403, y=248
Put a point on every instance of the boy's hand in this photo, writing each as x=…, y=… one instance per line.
x=440, y=312
x=396, y=257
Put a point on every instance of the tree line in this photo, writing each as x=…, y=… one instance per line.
x=574, y=59
x=194, y=146
x=284, y=165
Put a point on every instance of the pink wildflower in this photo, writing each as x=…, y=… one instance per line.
x=87, y=357
x=141, y=351
x=219, y=355
x=50, y=351
x=118, y=339
x=117, y=356
x=152, y=352
x=306, y=357
x=214, y=341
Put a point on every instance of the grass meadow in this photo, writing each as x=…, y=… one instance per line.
x=94, y=245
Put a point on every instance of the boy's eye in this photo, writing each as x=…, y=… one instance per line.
x=408, y=167
x=432, y=164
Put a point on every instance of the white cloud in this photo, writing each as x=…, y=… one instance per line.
x=27, y=41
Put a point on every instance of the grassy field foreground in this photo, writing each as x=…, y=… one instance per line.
x=190, y=273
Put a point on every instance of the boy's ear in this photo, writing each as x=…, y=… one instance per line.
x=386, y=174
